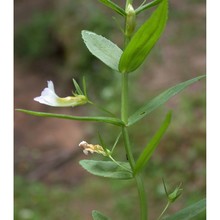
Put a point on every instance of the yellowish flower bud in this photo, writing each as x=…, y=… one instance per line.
x=90, y=148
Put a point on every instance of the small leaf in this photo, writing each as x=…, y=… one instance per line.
x=116, y=141
x=107, y=169
x=84, y=87
x=160, y=99
x=99, y=216
x=189, y=212
x=151, y=146
x=171, y=197
x=113, y=6
x=108, y=52
x=107, y=151
x=78, y=90
x=146, y=6
x=144, y=39
x=108, y=120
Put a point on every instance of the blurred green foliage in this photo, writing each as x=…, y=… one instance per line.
x=33, y=39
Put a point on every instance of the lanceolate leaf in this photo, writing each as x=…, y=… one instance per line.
x=151, y=146
x=113, y=6
x=146, y=6
x=160, y=99
x=108, y=52
x=108, y=120
x=99, y=216
x=144, y=40
x=78, y=89
x=107, y=169
x=189, y=212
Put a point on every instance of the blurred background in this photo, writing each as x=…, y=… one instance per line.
x=49, y=183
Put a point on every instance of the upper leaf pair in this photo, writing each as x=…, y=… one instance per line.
x=137, y=49
x=122, y=12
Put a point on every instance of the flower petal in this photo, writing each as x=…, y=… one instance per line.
x=50, y=85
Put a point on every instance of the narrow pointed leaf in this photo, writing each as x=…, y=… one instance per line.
x=151, y=146
x=189, y=212
x=144, y=39
x=116, y=141
x=113, y=6
x=78, y=90
x=99, y=216
x=160, y=99
x=84, y=87
x=107, y=169
x=108, y=120
x=146, y=6
x=103, y=144
x=108, y=52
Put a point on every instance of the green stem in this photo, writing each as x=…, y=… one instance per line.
x=128, y=147
x=142, y=197
x=101, y=108
x=138, y=179
x=124, y=98
x=119, y=164
x=124, y=118
x=166, y=207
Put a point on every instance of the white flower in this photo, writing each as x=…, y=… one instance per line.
x=90, y=148
x=49, y=97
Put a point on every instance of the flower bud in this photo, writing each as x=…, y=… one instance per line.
x=91, y=148
x=175, y=194
x=130, y=20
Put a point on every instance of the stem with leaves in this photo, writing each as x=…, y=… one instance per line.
x=138, y=179
x=124, y=118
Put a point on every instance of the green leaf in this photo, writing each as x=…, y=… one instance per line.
x=144, y=39
x=108, y=120
x=146, y=6
x=173, y=196
x=160, y=99
x=108, y=52
x=99, y=216
x=84, y=87
x=116, y=141
x=151, y=146
x=78, y=90
x=113, y=6
x=189, y=212
x=107, y=169
x=107, y=151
